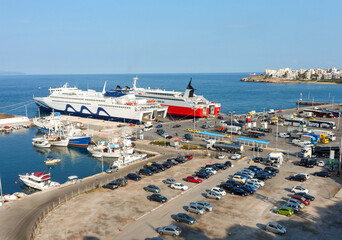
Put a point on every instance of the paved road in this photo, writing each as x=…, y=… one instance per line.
x=146, y=225
x=19, y=217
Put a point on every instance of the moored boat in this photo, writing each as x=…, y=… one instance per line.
x=41, y=142
x=52, y=161
x=38, y=180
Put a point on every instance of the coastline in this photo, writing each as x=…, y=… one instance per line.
x=260, y=78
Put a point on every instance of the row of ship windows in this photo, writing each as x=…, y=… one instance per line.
x=95, y=100
x=82, y=103
x=164, y=94
x=113, y=106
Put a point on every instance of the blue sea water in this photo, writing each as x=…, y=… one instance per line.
x=17, y=156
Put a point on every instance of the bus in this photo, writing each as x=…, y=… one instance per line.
x=322, y=124
x=296, y=122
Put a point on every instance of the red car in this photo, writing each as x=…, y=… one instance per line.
x=189, y=157
x=301, y=199
x=193, y=179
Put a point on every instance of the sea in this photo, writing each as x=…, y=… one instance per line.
x=17, y=156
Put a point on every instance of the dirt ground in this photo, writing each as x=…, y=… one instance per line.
x=102, y=213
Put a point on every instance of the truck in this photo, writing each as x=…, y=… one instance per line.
x=229, y=129
x=224, y=147
x=275, y=159
x=310, y=151
x=330, y=134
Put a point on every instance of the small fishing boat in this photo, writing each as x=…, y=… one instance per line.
x=38, y=180
x=50, y=160
x=41, y=142
x=58, y=141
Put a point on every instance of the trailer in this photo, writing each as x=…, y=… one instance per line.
x=310, y=151
x=330, y=134
x=224, y=147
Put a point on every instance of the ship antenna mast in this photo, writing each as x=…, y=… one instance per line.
x=135, y=82
x=104, y=88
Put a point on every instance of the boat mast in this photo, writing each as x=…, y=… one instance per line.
x=2, y=198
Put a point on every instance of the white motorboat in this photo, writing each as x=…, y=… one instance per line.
x=128, y=159
x=41, y=142
x=111, y=149
x=58, y=141
x=52, y=161
x=38, y=180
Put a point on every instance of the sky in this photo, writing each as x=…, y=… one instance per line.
x=145, y=36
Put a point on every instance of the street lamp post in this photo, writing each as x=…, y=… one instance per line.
x=231, y=123
x=277, y=137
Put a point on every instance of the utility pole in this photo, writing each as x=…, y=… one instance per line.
x=2, y=198
x=231, y=124
x=277, y=136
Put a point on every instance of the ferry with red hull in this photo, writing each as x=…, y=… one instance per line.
x=183, y=104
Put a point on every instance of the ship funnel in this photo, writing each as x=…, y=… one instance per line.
x=104, y=88
x=135, y=82
x=189, y=92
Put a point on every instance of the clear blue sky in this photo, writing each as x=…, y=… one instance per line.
x=178, y=36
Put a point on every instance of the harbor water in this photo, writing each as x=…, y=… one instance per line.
x=17, y=156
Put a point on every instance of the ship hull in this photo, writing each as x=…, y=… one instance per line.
x=79, y=142
x=184, y=111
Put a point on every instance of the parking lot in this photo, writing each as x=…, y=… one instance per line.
x=103, y=213
x=126, y=212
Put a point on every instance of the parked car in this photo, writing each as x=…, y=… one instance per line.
x=212, y=170
x=275, y=228
x=170, y=230
x=258, y=159
x=221, y=156
x=113, y=168
x=169, y=181
x=234, y=183
x=152, y=168
x=226, y=186
x=255, y=168
x=228, y=164
x=202, y=174
x=158, y=198
x=297, y=189
x=177, y=126
x=179, y=186
x=159, y=166
x=287, y=211
x=152, y=188
x=159, y=126
x=235, y=156
x=321, y=163
x=180, y=159
x=252, y=185
x=220, y=166
x=301, y=199
x=121, y=182
x=296, y=201
x=194, y=208
x=238, y=191
x=111, y=185
x=208, y=207
x=133, y=176
x=183, y=217
x=273, y=169
x=189, y=156
x=257, y=149
x=298, y=177
x=213, y=195
x=219, y=191
x=306, y=196
x=322, y=174
x=193, y=179
x=249, y=189
x=268, y=172
x=294, y=206
x=146, y=172
x=167, y=164
x=172, y=161
x=184, y=140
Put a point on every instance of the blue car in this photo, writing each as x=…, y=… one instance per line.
x=159, y=126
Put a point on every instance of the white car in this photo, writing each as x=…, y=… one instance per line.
x=261, y=183
x=284, y=135
x=185, y=140
x=235, y=156
x=297, y=189
x=179, y=186
x=321, y=163
x=221, y=156
x=213, y=171
x=213, y=195
x=219, y=190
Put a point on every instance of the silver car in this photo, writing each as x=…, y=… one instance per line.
x=170, y=230
x=169, y=181
x=275, y=228
x=194, y=208
x=213, y=195
x=205, y=205
x=296, y=201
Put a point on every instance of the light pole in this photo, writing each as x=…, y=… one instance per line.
x=231, y=124
x=277, y=137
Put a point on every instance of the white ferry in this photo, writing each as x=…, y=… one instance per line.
x=179, y=103
x=115, y=105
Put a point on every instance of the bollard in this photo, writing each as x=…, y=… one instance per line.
x=120, y=229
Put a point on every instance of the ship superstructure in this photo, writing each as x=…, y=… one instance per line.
x=179, y=103
x=115, y=105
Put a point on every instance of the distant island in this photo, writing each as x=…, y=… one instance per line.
x=287, y=75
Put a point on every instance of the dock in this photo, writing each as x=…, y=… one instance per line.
x=308, y=103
